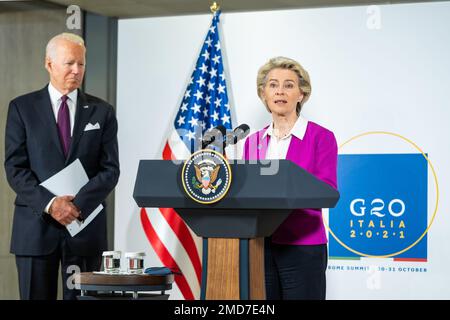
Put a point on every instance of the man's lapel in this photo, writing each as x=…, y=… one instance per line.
x=44, y=109
x=82, y=115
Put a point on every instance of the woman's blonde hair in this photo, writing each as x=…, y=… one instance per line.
x=304, y=83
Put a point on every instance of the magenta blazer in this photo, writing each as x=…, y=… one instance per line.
x=317, y=154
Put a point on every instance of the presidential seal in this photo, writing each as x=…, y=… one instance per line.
x=206, y=176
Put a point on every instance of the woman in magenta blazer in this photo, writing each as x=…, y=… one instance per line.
x=296, y=254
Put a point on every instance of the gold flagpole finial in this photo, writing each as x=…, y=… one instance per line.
x=214, y=7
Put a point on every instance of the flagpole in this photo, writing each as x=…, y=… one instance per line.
x=214, y=7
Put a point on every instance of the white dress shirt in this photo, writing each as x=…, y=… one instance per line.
x=55, y=99
x=278, y=147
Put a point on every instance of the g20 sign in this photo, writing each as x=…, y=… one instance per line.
x=395, y=209
x=377, y=206
x=383, y=207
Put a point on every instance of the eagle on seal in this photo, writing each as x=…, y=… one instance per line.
x=207, y=175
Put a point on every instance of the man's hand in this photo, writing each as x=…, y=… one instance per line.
x=63, y=210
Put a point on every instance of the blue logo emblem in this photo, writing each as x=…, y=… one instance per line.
x=383, y=207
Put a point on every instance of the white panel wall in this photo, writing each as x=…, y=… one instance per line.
x=395, y=78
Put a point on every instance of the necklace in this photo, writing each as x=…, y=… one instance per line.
x=281, y=136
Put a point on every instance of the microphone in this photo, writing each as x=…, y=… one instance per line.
x=237, y=134
x=213, y=135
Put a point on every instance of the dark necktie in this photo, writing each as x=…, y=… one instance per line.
x=64, y=125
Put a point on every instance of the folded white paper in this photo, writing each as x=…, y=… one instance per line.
x=68, y=182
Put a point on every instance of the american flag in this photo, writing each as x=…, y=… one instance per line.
x=204, y=105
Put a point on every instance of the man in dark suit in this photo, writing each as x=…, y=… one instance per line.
x=47, y=130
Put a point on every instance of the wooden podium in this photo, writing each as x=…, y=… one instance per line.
x=234, y=228
x=227, y=261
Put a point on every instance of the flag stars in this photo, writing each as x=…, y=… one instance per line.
x=190, y=135
x=204, y=68
x=221, y=88
x=196, y=108
x=205, y=103
x=181, y=120
x=225, y=119
x=213, y=73
x=184, y=106
x=201, y=82
x=206, y=55
x=199, y=95
x=193, y=122
x=216, y=59
x=215, y=116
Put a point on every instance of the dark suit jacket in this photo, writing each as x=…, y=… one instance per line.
x=33, y=153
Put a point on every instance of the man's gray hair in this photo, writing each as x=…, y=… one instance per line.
x=50, y=50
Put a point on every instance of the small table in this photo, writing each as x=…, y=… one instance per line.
x=95, y=286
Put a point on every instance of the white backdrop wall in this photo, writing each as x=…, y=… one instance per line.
x=383, y=68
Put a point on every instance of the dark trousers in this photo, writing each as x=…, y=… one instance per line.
x=295, y=272
x=38, y=275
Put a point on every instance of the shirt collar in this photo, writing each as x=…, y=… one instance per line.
x=298, y=130
x=55, y=95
